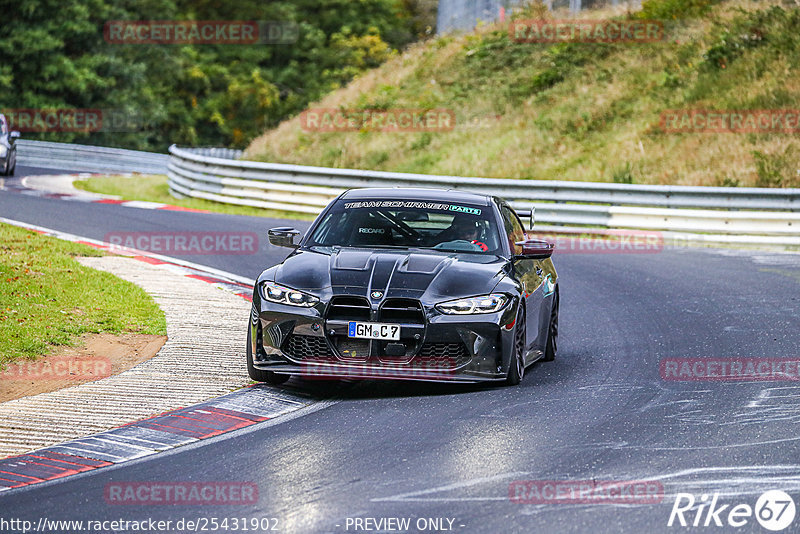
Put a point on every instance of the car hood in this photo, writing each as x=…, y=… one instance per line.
x=396, y=273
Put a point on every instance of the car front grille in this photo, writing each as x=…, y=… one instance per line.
x=308, y=348
x=353, y=349
x=349, y=309
x=409, y=351
x=441, y=356
x=402, y=311
x=431, y=356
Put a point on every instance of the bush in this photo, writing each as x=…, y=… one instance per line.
x=775, y=26
x=674, y=9
x=624, y=175
x=192, y=94
x=778, y=170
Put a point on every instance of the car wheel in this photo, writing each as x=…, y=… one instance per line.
x=260, y=375
x=552, y=332
x=5, y=170
x=516, y=367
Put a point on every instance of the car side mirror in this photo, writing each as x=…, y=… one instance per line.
x=14, y=135
x=283, y=237
x=535, y=249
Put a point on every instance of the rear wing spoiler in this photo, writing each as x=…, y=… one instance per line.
x=527, y=214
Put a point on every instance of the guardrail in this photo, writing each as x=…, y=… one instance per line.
x=85, y=158
x=712, y=214
x=720, y=214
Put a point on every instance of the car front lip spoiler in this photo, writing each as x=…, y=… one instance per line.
x=324, y=370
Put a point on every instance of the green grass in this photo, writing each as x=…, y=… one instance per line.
x=579, y=111
x=49, y=299
x=154, y=188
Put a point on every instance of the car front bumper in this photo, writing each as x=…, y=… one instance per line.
x=434, y=347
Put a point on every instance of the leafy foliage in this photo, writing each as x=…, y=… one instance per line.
x=775, y=27
x=780, y=169
x=53, y=56
x=624, y=175
x=675, y=9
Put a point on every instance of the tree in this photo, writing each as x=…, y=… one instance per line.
x=188, y=94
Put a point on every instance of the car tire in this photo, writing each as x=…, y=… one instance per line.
x=260, y=375
x=551, y=348
x=516, y=367
x=14, y=168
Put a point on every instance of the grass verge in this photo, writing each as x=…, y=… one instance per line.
x=154, y=188
x=49, y=299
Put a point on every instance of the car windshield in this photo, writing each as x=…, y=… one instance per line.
x=409, y=224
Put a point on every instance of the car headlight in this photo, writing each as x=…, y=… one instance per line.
x=471, y=305
x=285, y=295
x=3, y=151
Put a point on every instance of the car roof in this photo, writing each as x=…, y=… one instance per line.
x=417, y=193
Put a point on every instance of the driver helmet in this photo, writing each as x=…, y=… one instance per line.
x=466, y=226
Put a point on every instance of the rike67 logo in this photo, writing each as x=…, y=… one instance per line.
x=774, y=510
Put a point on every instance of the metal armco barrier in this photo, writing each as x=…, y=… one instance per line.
x=732, y=214
x=85, y=158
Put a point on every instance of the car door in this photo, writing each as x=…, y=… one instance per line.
x=529, y=273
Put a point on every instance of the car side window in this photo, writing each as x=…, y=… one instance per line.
x=514, y=229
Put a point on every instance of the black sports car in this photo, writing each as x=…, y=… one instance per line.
x=8, y=148
x=418, y=284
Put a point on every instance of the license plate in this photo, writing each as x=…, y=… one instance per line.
x=390, y=332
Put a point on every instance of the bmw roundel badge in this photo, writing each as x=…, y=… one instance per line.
x=376, y=295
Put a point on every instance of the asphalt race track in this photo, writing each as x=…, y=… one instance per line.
x=97, y=220
x=600, y=412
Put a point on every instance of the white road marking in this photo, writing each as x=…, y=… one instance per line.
x=727, y=481
x=72, y=237
x=142, y=204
